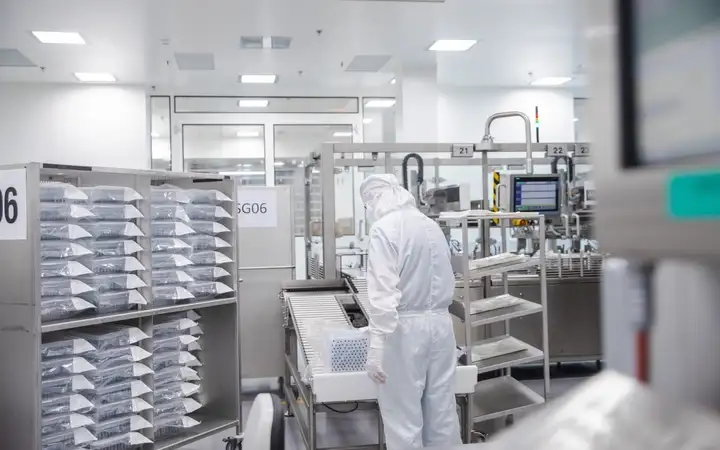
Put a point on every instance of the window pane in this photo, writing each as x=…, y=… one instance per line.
x=237, y=150
x=160, y=133
x=326, y=105
x=378, y=120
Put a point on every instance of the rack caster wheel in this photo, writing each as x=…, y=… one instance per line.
x=233, y=443
x=478, y=436
x=510, y=420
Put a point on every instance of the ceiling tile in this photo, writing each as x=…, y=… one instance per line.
x=195, y=61
x=11, y=57
x=367, y=63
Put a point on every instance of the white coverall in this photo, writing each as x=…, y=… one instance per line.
x=410, y=286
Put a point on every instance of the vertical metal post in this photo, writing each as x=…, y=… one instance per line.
x=504, y=246
x=381, y=430
x=327, y=188
x=467, y=322
x=312, y=424
x=543, y=301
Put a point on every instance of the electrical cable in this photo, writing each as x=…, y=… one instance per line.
x=357, y=405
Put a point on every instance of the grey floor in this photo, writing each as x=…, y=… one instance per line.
x=360, y=427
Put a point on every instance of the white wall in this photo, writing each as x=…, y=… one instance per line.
x=69, y=124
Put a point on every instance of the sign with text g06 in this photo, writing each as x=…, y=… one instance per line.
x=13, y=205
x=257, y=208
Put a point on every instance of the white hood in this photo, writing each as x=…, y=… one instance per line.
x=382, y=194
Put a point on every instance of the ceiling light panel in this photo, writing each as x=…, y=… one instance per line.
x=452, y=45
x=262, y=79
x=380, y=103
x=342, y=134
x=367, y=63
x=59, y=37
x=95, y=77
x=550, y=81
x=253, y=103
x=11, y=57
x=248, y=134
x=195, y=61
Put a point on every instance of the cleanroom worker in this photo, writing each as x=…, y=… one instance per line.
x=411, y=351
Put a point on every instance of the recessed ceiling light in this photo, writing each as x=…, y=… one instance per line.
x=380, y=103
x=342, y=134
x=279, y=163
x=248, y=134
x=265, y=79
x=452, y=45
x=367, y=120
x=154, y=134
x=253, y=103
x=59, y=37
x=95, y=77
x=550, y=81
x=393, y=81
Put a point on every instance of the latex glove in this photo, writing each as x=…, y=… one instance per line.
x=373, y=366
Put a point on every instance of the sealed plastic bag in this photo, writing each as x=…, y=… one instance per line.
x=112, y=230
x=170, y=276
x=206, y=242
x=62, y=268
x=203, y=290
x=106, y=377
x=62, y=231
x=65, y=440
x=169, y=359
x=345, y=350
x=116, y=301
x=62, y=250
x=58, y=308
x=58, y=367
x=125, y=441
x=63, y=211
x=119, y=391
x=176, y=408
x=168, y=295
x=206, y=273
x=208, y=258
x=62, y=287
x=172, y=326
x=169, y=212
x=207, y=196
x=170, y=229
x=59, y=192
x=169, y=261
x=117, y=356
x=114, y=212
x=167, y=194
x=175, y=391
x=169, y=244
x=119, y=426
x=103, y=337
x=206, y=212
x=111, y=194
x=64, y=422
x=115, y=264
x=113, y=247
x=172, y=426
x=65, y=346
x=66, y=385
x=65, y=404
x=173, y=343
x=121, y=408
x=175, y=374
x=113, y=282
x=208, y=227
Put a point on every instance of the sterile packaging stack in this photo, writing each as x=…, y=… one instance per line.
x=177, y=381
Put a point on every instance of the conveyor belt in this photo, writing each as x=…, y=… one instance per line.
x=306, y=311
x=359, y=286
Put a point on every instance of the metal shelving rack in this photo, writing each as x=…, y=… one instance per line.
x=22, y=332
x=503, y=395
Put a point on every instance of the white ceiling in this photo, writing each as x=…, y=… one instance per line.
x=124, y=38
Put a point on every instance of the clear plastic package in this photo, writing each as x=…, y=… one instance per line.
x=121, y=408
x=58, y=367
x=173, y=343
x=167, y=295
x=169, y=244
x=206, y=273
x=63, y=211
x=172, y=326
x=107, y=336
x=53, y=191
x=62, y=250
x=203, y=290
x=63, y=422
x=112, y=230
x=106, y=377
x=65, y=404
x=117, y=356
x=119, y=391
x=208, y=258
x=169, y=261
x=208, y=227
x=170, y=276
x=62, y=287
x=117, y=426
x=125, y=441
x=176, y=408
x=167, y=194
x=175, y=391
x=169, y=359
x=62, y=268
x=206, y=242
x=113, y=282
x=190, y=314
x=58, y=308
x=195, y=331
x=66, y=385
x=115, y=264
x=206, y=212
x=113, y=247
x=207, y=196
x=114, y=212
x=170, y=229
x=62, y=231
x=116, y=301
x=169, y=212
x=172, y=426
x=175, y=374
x=65, y=440
x=111, y=194
x=65, y=346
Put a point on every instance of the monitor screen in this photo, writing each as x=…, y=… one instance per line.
x=536, y=194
